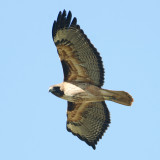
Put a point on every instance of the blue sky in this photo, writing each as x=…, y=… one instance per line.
x=33, y=122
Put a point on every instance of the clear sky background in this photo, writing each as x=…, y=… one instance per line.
x=33, y=121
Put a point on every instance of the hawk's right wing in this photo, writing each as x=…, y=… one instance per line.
x=88, y=121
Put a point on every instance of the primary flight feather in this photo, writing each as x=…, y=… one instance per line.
x=87, y=114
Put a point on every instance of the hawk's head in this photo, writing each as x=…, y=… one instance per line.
x=56, y=90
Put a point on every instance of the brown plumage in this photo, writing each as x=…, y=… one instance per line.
x=87, y=114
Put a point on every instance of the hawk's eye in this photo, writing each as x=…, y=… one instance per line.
x=57, y=92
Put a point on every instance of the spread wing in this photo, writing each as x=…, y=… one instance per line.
x=88, y=121
x=80, y=60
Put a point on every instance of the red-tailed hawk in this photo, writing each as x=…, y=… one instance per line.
x=87, y=115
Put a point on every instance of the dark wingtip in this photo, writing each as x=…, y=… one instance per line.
x=59, y=17
x=93, y=146
x=74, y=21
x=85, y=140
x=54, y=29
x=69, y=12
x=68, y=20
x=64, y=10
x=63, y=21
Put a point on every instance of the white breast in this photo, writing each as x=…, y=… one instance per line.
x=71, y=89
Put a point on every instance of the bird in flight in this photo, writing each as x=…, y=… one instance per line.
x=87, y=114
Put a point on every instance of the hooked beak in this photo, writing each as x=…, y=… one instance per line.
x=51, y=89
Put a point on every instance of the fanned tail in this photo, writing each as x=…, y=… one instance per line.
x=121, y=97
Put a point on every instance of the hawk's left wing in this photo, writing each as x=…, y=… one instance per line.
x=88, y=121
x=80, y=60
